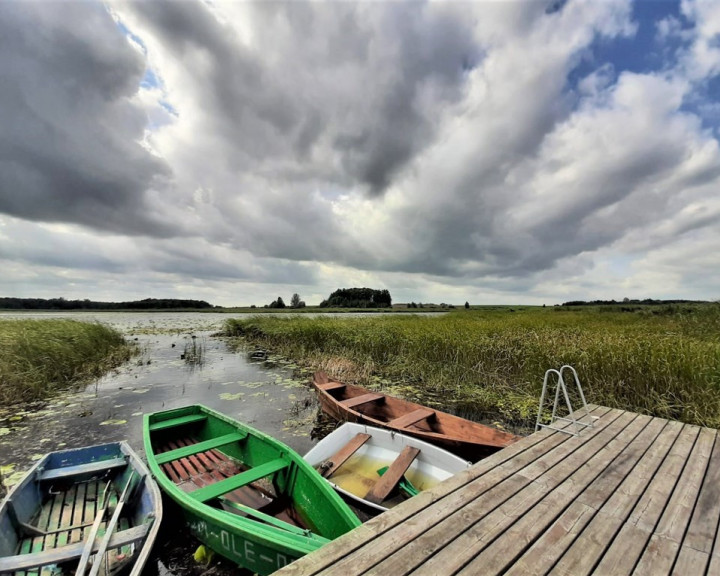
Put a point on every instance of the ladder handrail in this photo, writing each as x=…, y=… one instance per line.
x=571, y=413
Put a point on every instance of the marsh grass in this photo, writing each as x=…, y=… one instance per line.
x=38, y=357
x=489, y=364
x=194, y=351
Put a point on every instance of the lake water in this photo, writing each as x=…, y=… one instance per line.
x=260, y=392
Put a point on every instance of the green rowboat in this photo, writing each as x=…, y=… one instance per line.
x=245, y=495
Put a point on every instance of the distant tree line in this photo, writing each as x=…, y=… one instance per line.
x=62, y=304
x=295, y=302
x=645, y=302
x=358, y=298
x=421, y=305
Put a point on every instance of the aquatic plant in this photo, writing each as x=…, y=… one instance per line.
x=194, y=351
x=489, y=364
x=41, y=356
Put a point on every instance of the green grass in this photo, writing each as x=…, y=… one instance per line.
x=489, y=364
x=38, y=357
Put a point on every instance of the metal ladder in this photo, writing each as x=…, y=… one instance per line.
x=578, y=426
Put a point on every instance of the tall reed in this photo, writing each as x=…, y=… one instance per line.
x=491, y=363
x=38, y=357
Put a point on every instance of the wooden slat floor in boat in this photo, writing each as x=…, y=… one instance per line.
x=211, y=466
x=631, y=495
x=67, y=518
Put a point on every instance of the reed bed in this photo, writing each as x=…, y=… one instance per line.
x=489, y=365
x=40, y=357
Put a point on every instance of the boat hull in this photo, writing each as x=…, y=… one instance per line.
x=34, y=532
x=465, y=438
x=245, y=495
x=355, y=478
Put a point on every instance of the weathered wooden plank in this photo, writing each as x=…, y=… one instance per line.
x=664, y=544
x=690, y=561
x=342, y=455
x=549, y=494
x=626, y=549
x=648, y=511
x=203, y=446
x=658, y=557
x=77, y=514
x=641, y=463
x=65, y=518
x=438, y=526
x=68, y=552
x=379, y=535
x=43, y=522
x=385, y=484
x=211, y=467
x=179, y=469
x=700, y=535
x=714, y=566
x=411, y=418
x=332, y=386
x=362, y=399
x=544, y=533
x=36, y=544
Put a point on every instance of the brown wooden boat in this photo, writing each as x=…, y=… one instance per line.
x=468, y=439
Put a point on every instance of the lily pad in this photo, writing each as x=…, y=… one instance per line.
x=228, y=396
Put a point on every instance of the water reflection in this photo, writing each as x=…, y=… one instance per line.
x=180, y=363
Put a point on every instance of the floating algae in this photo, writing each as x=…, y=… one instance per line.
x=228, y=396
x=112, y=422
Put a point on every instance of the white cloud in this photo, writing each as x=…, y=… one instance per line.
x=445, y=151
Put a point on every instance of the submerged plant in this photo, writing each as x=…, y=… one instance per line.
x=194, y=351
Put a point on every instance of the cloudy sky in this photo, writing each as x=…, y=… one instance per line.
x=233, y=151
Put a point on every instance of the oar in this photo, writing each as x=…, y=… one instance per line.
x=95, y=570
x=90, y=541
x=404, y=484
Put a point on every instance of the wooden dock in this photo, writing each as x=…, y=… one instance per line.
x=631, y=495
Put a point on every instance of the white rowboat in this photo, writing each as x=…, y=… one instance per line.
x=351, y=456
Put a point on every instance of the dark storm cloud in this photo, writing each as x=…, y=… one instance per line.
x=69, y=141
x=434, y=52
x=280, y=98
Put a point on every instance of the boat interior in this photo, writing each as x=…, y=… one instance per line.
x=261, y=498
x=392, y=412
x=230, y=469
x=384, y=489
x=66, y=520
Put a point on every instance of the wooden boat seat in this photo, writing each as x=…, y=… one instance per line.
x=385, y=484
x=174, y=422
x=89, y=468
x=70, y=552
x=331, y=386
x=198, y=447
x=342, y=455
x=411, y=418
x=362, y=399
x=243, y=479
